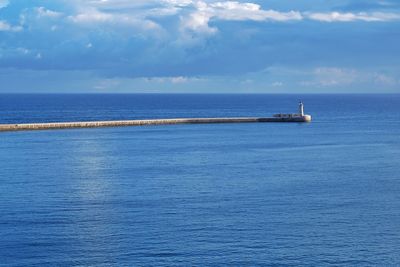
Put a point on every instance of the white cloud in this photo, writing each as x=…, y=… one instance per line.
x=195, y=16
x=348, y=17
x=330, y=76
x=198, y=20
x=179, y=79
x=5, y=27
x=232, y=10
x=173, y=80
x=116, y=13
x=43, y=12
x=94, y=17
x=277, y=84
x=335, y=77
x=115, y=4
x=180, y=3
x=384, y=79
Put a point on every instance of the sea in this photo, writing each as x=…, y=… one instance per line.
x=325, y=193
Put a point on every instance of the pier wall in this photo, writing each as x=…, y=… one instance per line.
x=94, y=124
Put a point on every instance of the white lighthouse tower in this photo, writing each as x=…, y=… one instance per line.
x=305, y=117
x=301, y=108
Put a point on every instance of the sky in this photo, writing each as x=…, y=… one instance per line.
x=191, y=46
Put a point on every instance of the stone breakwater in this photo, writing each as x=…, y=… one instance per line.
x=95, y=124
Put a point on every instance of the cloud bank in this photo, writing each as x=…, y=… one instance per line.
x=181, y=41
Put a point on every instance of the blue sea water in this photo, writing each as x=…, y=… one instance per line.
x=262, y=194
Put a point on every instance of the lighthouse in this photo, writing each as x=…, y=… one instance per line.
x=296, y=117
x=301, y=108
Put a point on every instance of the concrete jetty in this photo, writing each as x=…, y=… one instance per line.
x=301, y=117
x=94, y=124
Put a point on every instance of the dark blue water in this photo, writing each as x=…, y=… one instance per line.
x=325, y=193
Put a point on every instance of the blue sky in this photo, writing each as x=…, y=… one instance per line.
x=254, y=46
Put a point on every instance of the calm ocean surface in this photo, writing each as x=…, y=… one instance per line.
x=324, y=193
